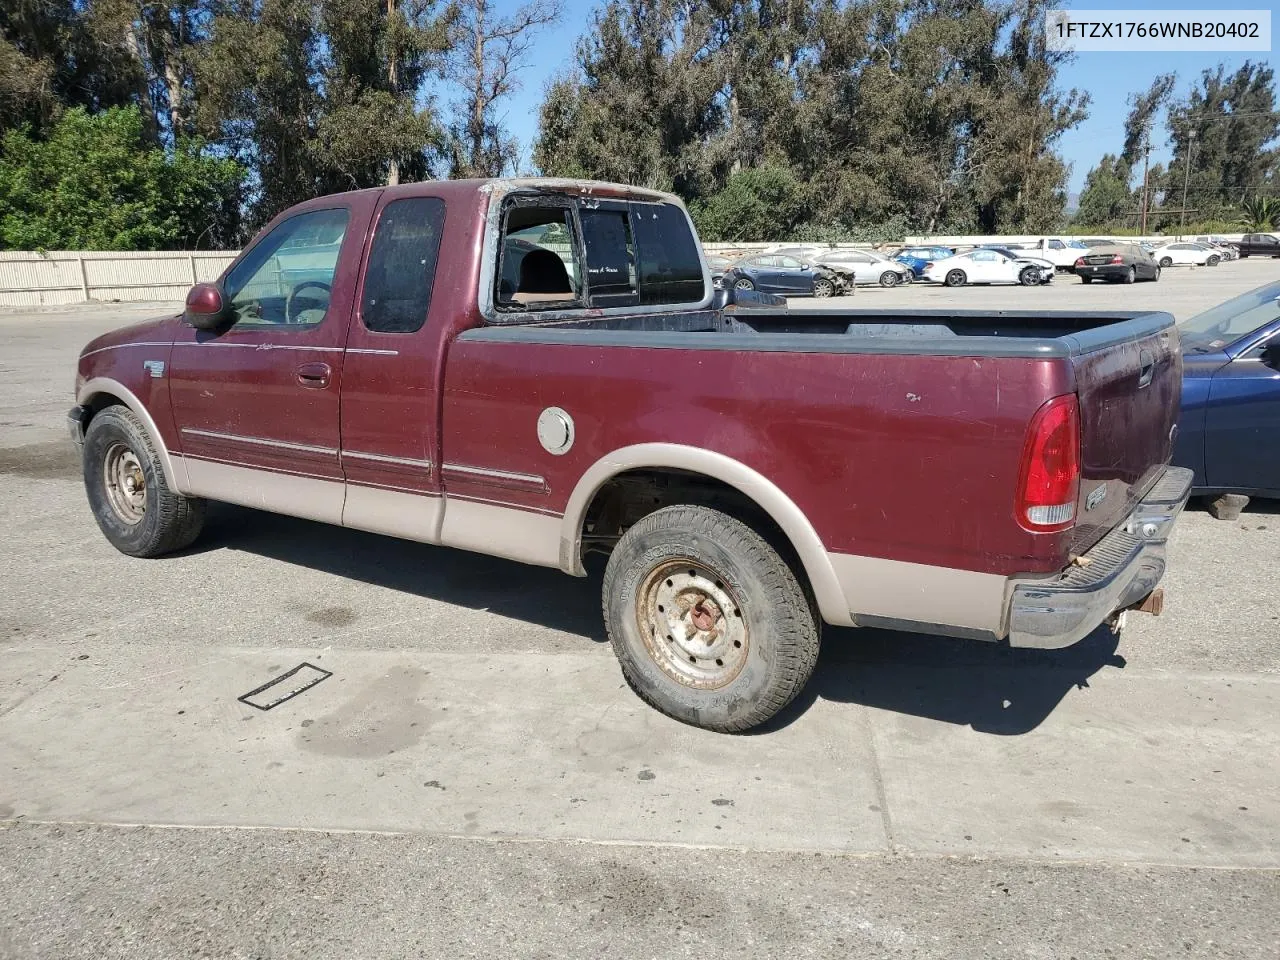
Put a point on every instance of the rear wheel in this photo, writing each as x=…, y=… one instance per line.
x=955, y=278
x=1131, y=275
x=1086, y=279
x=1166, y=261
x=744, y=283
x=822, y=287
x=134, y=506
x=709, y=624
x=889, y=279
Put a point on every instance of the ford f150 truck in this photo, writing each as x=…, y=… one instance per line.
x=542, y=370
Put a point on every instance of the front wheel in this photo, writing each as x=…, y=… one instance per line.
x=1155, y=276
x=134, y=506
x=955, y=278
x=822, y=287
x=1214, y=260
x=889, y=279
x=709, y=624
x=1029, y=277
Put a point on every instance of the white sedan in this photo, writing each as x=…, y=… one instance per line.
x=867, y=267
x=982, y=266
x=1186, y=255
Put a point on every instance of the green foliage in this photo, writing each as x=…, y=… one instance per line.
x=1107, y=198
x=757, y=204
x=919, y=112
x=1224, y=136
x=98, y=183
x=1259, y=213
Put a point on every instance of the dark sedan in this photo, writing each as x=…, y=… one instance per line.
x=1229, y=431
x=779, y=273
x=1117, y=263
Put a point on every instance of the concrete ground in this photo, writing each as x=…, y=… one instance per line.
x=475, y=779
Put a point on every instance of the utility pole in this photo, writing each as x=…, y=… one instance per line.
x=1186, y=177
x=1146, y=163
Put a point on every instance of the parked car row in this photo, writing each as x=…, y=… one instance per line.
x=824, y=271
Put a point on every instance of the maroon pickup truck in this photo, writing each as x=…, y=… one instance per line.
x=541, y=370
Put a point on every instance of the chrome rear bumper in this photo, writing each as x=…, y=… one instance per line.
x=1118, y=572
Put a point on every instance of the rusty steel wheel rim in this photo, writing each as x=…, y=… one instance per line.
x=692, y=624
x=125, y=483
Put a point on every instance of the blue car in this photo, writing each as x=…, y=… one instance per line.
x=917, y=257
x=1229, y=430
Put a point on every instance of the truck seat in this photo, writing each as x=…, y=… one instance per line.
x=542, y=278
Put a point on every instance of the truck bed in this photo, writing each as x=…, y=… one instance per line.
x=892, y=386
x=1003, y=333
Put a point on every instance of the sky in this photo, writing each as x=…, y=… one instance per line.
x=1109, y=78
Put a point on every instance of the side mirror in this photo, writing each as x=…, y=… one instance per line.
x=207, y=307
x=1271, y=354
x=805, y=266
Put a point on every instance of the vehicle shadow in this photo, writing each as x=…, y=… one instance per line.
x=989, y=687
x=472, y=580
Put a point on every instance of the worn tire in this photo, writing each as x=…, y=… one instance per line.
x=169, y=520
x=955, y=278
x=782, y=629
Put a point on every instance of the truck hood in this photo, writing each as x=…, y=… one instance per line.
x=157, y=330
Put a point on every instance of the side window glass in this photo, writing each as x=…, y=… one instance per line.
x=538, y=269
x=984, y=255
x=666, y=254
x=610, y=253
x=402, y=265
x=1055, y=244
x=789, y=263
x=286, y=279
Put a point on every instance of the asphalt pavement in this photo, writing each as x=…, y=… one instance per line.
x=473, y=778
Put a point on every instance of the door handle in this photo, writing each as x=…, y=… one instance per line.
x=314, y=375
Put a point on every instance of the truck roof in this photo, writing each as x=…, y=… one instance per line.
x=503, y=185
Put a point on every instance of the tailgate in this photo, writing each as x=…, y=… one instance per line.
x=1129, y=395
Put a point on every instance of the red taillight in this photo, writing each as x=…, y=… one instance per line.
x=1049, y=480
x=927, y=265
x=1117, y=259
x=1079, y=261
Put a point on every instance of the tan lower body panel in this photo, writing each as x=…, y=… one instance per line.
x=397, y=513
x=922, y=594
x=296, y=496
x=502, y=531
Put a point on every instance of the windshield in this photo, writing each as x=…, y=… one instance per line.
x=1227, y=322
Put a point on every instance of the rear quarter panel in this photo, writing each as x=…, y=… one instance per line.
x=911, y=458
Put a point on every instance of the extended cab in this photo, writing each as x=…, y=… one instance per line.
x=541, y=370
x=1259, y=245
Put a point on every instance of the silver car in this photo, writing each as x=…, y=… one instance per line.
x=868, y=267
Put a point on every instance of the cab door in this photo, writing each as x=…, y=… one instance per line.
x=392, y=371
x=255, y=404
